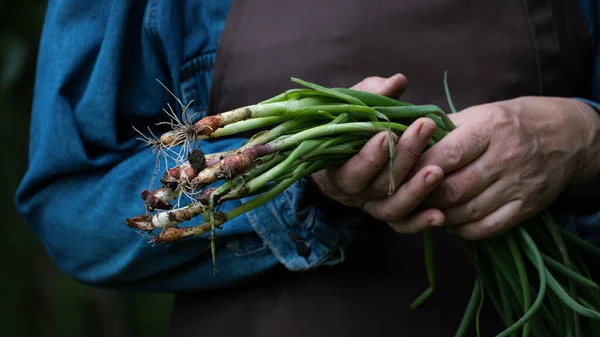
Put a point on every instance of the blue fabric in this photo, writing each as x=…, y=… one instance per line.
x=98, y=62
x=96, y=73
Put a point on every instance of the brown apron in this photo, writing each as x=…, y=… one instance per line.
x=493, y=50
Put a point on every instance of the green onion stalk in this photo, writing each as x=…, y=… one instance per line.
x=534, y=275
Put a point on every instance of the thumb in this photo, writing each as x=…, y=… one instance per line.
x=391, y=86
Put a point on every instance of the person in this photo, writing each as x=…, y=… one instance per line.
x=527, y=140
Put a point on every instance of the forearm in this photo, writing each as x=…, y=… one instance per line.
x=80, y=220
x=577, y=208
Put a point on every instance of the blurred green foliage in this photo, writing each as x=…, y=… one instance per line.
x=38, y=300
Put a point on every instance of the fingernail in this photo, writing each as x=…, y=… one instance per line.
x=385, y=144
x=432, y=178
x=426, y=130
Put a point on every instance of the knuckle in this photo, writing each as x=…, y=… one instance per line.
x=519, y=153
x=347, y=191
x=411, y=151
x=337, y=182
x=343, y=186
x=372, y=159
x=451, y=191
x=374, y=79
x=326, y=185
x=413, y=193
x=351, y=189
x=473, y=176
x=451, y=153
x=502, y=114
x=386, y=214
x=369, y=84
x=481, y=137
x=473, y=211
x=381, y=185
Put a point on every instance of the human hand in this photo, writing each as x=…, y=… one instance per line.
x=363, y=181
x=505, y=162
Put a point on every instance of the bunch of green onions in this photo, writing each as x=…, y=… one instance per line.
x=533, y=274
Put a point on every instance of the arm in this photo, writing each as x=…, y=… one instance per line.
x=96, y=78
x=505, y=162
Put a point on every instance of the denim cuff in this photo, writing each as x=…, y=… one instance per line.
x=591, y=103
x=299, y=234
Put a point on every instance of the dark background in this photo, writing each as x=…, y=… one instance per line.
x=37, y=299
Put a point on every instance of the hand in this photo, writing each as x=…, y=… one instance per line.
x=507, y=161
x=364, y=180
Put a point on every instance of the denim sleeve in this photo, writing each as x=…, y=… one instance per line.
x=95, y=79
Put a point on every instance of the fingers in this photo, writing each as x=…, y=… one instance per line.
x=463, y=184
x=418, y=222
x=354, y=175
x=494, y=223
x=407, y=197
x=392, y=86
x=478, y=207
x=456, y=150
x=345, y=183
x=407, y=150
x=366, y=175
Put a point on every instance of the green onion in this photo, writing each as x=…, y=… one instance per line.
x=313, y=128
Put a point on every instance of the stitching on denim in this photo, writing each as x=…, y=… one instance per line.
x=191, y=75
x=253, y=249
x=200, y=63
x=283, y=251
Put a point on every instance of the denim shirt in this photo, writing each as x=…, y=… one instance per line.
x=97, y=66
